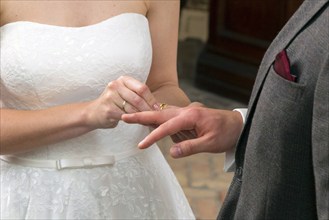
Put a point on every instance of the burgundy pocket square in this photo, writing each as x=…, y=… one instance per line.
x=282, y=66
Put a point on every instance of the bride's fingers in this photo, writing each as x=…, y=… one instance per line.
x=112, y=95
x=122, y=106
x=113, y=98
x=142, y=91
x=136, y=101
x=128, y=108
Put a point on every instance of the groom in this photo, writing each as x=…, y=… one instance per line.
x=282, y=155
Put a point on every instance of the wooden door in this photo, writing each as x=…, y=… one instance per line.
x=240, y=31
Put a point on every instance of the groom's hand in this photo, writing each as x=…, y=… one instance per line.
x=210, y=130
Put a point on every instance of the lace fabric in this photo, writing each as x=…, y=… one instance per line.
x=45, y=65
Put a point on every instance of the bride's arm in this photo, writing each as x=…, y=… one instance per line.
x=22, y=131
x=163, y=19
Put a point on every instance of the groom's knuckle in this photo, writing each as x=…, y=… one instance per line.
x=168, y=124
x=189, y=116
x=192, y=113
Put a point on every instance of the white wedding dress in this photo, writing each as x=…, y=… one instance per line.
x=46, y=65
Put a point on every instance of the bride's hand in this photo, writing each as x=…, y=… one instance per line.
x=124, y=95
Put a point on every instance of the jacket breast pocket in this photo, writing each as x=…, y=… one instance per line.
x=280, y=89
x=280, y=101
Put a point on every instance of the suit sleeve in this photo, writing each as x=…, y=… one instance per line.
x=320, y=141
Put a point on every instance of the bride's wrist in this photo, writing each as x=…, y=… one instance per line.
x=87, y=118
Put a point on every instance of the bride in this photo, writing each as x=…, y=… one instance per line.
x=69, y=70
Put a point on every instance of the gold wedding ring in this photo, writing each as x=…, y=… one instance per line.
x=123, y=105
x=163, y=106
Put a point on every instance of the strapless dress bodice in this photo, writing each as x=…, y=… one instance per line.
x=46, y=65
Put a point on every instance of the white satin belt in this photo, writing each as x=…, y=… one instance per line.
x=83, y=162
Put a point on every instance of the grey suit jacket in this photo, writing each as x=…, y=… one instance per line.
x=282, y=157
